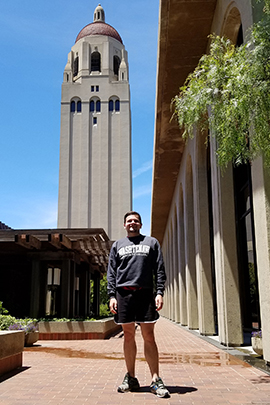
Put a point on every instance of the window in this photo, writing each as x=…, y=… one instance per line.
x=92, y=106
x=116, y=64
x=117, y=105
x=72, y=106
x=92, y=88
x=114, y=105
x=94, y=120
x=95, y=105
x=76, y=66
x=111, y=105
x=97, y=88
x=95, y=62
x=76, y=106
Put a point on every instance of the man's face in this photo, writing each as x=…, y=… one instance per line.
x=132, y=225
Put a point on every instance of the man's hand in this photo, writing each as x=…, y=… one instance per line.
x=113, y=305
x=159, y=302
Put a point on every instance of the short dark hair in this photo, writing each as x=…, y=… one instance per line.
x=132, y=213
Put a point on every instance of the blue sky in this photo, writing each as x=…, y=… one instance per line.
x=36, y=37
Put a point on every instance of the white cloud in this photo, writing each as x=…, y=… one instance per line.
x=144, y=168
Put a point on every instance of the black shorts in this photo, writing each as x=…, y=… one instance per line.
x=135, y=306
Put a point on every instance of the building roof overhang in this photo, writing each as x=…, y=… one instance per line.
x=87, y=244
x=184, y=27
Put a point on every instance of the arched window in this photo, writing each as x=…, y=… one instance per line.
x=76, y=66
x=72, y=106
x=95, y=62
x=117, y=105
x=76, y=105
x=111, y=105
x=114, y=104
x=95, y=105
x=92, y=106
x=116, y=64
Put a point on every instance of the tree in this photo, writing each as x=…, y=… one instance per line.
x=228, y=93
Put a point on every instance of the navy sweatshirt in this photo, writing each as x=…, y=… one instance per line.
x=136, y=262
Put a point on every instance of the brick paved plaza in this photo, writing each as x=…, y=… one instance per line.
x=89, y=371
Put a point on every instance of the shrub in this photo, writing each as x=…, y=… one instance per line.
x=26, y=325
x=6, y=321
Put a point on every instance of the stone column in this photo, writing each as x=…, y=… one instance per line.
x=261, y=206
x=202, y=241
x=182, y=261
x=225, y=252
x=191, y=282
x=176, y=267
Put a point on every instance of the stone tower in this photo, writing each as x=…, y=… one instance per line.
x=95, y=186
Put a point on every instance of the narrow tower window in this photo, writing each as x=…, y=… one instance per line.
x=117, y=105
x=116, y=64
x=95, y=62
x=95, y=105
x=72, y=106
x=114, y=104
x=76, y=66
x=79, y=106
x=111, y=105
x=92, y=106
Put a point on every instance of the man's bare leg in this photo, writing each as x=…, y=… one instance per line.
x=151, y=355
x=150, y=349
x=130, y=348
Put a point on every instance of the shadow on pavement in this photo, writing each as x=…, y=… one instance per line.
x=172, y=389
x=13, y=373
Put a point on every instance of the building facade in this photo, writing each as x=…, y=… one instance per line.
x=213, y=226
x=47, y=272
x=95, y=186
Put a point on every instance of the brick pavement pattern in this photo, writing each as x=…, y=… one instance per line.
x=89, y=371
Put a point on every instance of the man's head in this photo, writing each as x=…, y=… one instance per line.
x=132, y=223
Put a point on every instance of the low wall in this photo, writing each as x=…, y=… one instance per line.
x=77, y=330
x=11, y=348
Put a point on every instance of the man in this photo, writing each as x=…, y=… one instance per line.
x=135, y=273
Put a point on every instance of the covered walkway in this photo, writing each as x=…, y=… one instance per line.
x=88, y=371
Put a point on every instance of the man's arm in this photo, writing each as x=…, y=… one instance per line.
x=113, y=305
x=159, y=302
x=111, y=280
x=160, y=276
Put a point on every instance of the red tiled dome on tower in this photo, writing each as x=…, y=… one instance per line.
x=99, y=27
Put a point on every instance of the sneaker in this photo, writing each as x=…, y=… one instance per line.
x=157, y=387
x=129, y=384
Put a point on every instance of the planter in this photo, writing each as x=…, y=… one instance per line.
x=11, y=348
x=257, y=345
x=78, y=330
x=31, y=338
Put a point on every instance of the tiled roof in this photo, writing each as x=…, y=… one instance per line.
x=99, y=28
x=4, y=226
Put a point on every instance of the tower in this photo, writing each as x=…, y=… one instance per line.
x=95, y=137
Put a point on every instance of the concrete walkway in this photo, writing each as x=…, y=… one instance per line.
x=89, y=371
